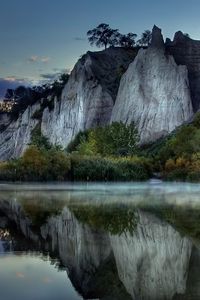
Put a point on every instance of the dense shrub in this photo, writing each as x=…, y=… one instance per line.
x=116, y=139
x=103, y=169
x=37, y=165
x=59, y=165
x=179, y=174
x=44, y=165
x=39, y=140
x=196, y=120
x=80, y=138
x=194, y=176
x=177, y=156
x=8, y=170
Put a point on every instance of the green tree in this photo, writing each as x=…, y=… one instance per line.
x=127, y=40
x=39, y=140
x=103, y=35
x=58, y=164
x=115, y=139
x=33, y=164
x=145, y=38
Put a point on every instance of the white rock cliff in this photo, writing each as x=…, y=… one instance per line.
x=88, y=98
x=154, y=93
x=17, y=134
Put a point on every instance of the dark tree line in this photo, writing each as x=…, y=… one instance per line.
x=25, y=96
x=104, y=36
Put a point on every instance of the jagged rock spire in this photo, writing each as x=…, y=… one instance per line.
x=157, y=38
x=180, y=36
x=154, y=93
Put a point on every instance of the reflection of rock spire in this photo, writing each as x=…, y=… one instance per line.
x=150, y=263
x=153, y=263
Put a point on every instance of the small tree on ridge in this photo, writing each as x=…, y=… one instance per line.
x=103, y=35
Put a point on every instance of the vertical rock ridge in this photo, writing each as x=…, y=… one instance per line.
x=154, y=93
x=186, y=51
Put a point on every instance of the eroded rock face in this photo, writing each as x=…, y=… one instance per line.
x=187, y=52
x=86, y=101
x=154, y=93
x=88, y=97
x=15, y=138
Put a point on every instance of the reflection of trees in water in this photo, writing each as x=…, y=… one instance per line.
x=185, y=219
x=115, y=219
x=40, y=209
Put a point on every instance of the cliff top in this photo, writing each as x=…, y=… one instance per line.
x=109, y=65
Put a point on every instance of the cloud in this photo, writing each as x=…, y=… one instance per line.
x=20, y=275
x=55, y=75
x=49, y=76
x=12, y=82
x=57, y=69
x=33, y=58
x=37, y=59
x=62, y=70
x=45, y=59
x=79, y=39
x=11, y=79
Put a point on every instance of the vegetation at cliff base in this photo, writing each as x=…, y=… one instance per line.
x=109, y=153
x=177, y=156
x=116, y=139
x=106, y=153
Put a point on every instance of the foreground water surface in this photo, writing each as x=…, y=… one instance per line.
x=100, y=241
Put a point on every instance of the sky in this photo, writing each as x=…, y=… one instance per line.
x=42, y=38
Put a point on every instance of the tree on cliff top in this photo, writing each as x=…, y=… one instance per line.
x=103, y=35
x=127, y=40
x=145, y=38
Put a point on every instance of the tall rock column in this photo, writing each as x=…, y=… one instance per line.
x=154, y=93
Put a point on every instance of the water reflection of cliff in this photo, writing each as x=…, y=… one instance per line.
x=114, y=251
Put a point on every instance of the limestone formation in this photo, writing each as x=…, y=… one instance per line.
x=154, y=93
x=16, y=135
x=88, y=98
x=86, y=101
x=187, y=52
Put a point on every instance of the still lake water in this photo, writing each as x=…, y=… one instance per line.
x=100, y=241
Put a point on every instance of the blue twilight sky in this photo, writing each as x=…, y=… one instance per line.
x=40, y=38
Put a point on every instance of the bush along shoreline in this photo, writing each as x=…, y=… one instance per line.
x=109, y=153
x=177, y=156
x=36, y=165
